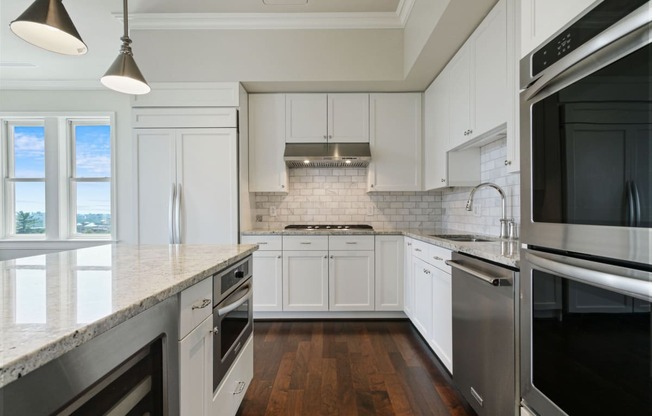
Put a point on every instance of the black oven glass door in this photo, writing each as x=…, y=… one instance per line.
x=586, y=336
x=592, y=148
x=234, y=324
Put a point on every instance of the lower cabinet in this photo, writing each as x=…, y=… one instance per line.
x=389, y=268
x=196, y=370
x=268, y=279
x=305, y=280
x=408, y=287
x=423, y=308
x=351, y=281
x=441, y=339
x=231, y=391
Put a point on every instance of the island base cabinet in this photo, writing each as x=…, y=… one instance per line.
x=232, y=390
x=196, y=370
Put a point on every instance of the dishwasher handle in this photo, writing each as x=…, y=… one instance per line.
x=492, y=280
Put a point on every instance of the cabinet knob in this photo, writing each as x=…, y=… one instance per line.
x=330, y=136
x=372, y=185
x=508, y=162
x=470, y=131
x=331, y=257
x=409, y=244
x=325, y=137
x=325, y=257
x=443, y=180
x=283, y=186
x=215, y=330
x=278, y=257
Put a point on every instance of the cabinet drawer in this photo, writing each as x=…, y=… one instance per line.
x=234, y=386
x=195, y=304
x=438, y=256
x=421, y=250
x=265, y=242
x=307, y=242
x=351, y=242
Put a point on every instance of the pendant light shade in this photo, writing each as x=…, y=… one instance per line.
x=123, y=75
x=46, y=24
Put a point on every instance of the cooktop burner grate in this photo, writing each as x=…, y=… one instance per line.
x=329, y=227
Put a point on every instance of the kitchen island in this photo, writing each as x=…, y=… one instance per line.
x=56, y=303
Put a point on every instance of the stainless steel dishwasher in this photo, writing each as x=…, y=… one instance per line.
x=484, y=334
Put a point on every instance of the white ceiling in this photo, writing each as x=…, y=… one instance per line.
x=374, y=27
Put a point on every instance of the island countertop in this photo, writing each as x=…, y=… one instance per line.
x=52, y=303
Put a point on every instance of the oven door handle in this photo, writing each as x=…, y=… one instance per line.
x=629, y=286
x=242, y=297
x=628, y=35
x=636, y=201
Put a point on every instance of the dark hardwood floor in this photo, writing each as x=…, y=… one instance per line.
x=347, y=368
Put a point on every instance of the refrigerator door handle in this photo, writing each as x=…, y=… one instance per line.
x=177, y=219
x=637, y=205
x=629, y=212
x=173, y=197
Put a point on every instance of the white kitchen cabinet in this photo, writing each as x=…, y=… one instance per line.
x=441, y=339
x=305, y=280
x=268, y=272
x=200, y=167
x=267, y=171
x=389, y=269
x=321, y=118
x=441, y=167
x=478, y=80
x=540, y=19
x=408, y=298
x=396, y=142
x=196, y=368
x=423, y=307
x=233, y=388
x=351, y=281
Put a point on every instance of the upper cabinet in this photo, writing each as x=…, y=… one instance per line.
x=321, y=118
x=396, y=142
x=267, y=171
x=478, y=79
x=541, y=19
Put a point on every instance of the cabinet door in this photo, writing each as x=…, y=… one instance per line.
x=541, y=19
x=460, y=97
x=305, y=280
x=389, y=272
x=348, y=118
x=437, y=131
x=207, y=177
x=441, y=340
x=268, y=281
x=305, y=118
x=267, y=171
x=423, y=306
x=396, y=142
x=351, y=281
x=196, y=370
x=408, y=298
x=156, y=183
x=489, y=71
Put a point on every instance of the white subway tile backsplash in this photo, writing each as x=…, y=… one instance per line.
x=337, y=195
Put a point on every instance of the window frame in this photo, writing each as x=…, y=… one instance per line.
x=58, y=174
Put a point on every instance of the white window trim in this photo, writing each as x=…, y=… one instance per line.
x=57, y=179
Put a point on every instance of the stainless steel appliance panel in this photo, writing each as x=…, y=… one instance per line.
x=586, y=147
x=484, y=335
x=586, y=345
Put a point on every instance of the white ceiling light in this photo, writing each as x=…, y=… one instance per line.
x=46, y=24
x=123, y=75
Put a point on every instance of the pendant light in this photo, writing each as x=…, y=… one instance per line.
x=46, y=24
x=123, y=75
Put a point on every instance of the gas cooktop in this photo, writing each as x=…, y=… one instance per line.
x=329, y=227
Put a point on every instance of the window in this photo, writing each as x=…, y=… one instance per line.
x=25, y=178
x=57, y=177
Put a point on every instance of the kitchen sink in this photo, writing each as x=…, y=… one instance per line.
x=465, y=238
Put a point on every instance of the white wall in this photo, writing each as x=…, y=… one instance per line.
x=88, y=101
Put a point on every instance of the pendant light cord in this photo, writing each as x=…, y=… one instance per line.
x=126, y=19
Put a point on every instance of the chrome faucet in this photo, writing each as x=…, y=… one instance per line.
x=503, y=220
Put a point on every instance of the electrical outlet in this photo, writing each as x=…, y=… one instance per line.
x=272, y=211
x=259, y=218
x=370, y=210
x=477, y=210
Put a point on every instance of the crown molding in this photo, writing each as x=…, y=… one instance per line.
x=54, y=84
x=236, y=21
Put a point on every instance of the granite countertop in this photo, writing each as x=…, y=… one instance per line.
x=505, y=252
x=53, y=303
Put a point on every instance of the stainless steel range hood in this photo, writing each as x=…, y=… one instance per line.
x=327, y=155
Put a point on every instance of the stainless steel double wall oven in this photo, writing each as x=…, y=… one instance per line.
x=586, y=288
